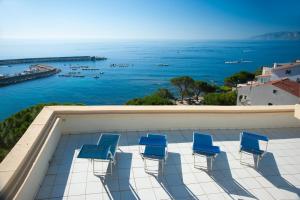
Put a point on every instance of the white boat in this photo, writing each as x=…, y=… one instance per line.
x=232, y=62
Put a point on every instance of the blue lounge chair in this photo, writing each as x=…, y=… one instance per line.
x=156, y=148
x=104, y=151
x=203, y=146
x=249, y=143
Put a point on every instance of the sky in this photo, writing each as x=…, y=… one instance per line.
x=146, y=19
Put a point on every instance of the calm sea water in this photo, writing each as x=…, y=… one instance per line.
x=200, y=59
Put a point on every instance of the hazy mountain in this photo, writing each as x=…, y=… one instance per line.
x=279, y=36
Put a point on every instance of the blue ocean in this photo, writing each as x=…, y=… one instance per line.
x=204, y=60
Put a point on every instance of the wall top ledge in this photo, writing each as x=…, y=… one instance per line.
x=169, y=109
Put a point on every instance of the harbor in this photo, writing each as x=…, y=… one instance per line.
x=139, y=78
x=34, y=72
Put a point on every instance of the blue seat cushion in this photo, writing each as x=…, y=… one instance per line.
x=154, y=152
x=255, y=136
x=109, y=141
x=94, y=152
x=250, y=142
x=201, y=140
x=252, y=151
x=152, y=141
x=207, y=150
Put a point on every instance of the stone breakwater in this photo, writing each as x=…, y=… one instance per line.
x=50, y=59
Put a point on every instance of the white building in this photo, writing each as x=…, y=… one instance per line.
x=280, y=71
x=278, y=92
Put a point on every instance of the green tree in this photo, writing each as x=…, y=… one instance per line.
x=237, y=78
x=258, y=71
x=164, y=93
x=150, y=100
x=202, y=87
x=228, y=98
x=161, y=97
x=12, y=128
x=224, y=88
x=184, y=85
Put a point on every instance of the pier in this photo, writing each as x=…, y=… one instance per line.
x=34, y=72
x=50, y=59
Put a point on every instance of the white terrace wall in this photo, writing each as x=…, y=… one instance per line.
x=184, y=119
x=39, y=168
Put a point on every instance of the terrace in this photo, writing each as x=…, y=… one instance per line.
x=47, y=154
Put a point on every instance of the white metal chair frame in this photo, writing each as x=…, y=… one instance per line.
x=259, y=157
x=163, y=161
x=112, y=161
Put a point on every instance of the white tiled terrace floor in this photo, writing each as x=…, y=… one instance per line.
x=278, y=175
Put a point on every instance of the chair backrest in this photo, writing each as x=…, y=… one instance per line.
x=249, y=140
x=157, y=136
x=109, y=141
x=156, y=150
x=202, y=140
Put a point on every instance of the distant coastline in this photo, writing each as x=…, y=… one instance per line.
x=284, y=35
x=50, y=59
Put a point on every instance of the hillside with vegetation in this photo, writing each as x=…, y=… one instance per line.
x=197, y=92
x=12, y=128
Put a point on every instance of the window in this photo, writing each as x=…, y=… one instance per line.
x=270, y=104
x=288, y=71
x=274, y=91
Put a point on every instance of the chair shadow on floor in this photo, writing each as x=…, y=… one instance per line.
x=111, y=182
x=221, y=174
x=174, y=187
x=268, y=168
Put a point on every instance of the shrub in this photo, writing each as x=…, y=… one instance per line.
x=12, y=128
x=150, y=100
x=164, y=93
x=228, y=98
x=238, y=78
x=161, y=97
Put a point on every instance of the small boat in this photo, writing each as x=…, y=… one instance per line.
x=246, y=61
x=101, y=72
x=90, y=69
x=64, y=75
x=96, y=76
x=78, y=76
x=232, y=62
x=119, y=65
x=163, y=65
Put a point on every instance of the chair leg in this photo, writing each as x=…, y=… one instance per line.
x=241, y=155
x=257, y=161
x=194, y=161
x=93, y=163
x=111, y=165
x=211, y=162
x=145, y=164
x=162, y=167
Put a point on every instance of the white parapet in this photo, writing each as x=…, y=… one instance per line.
x=24, y=167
